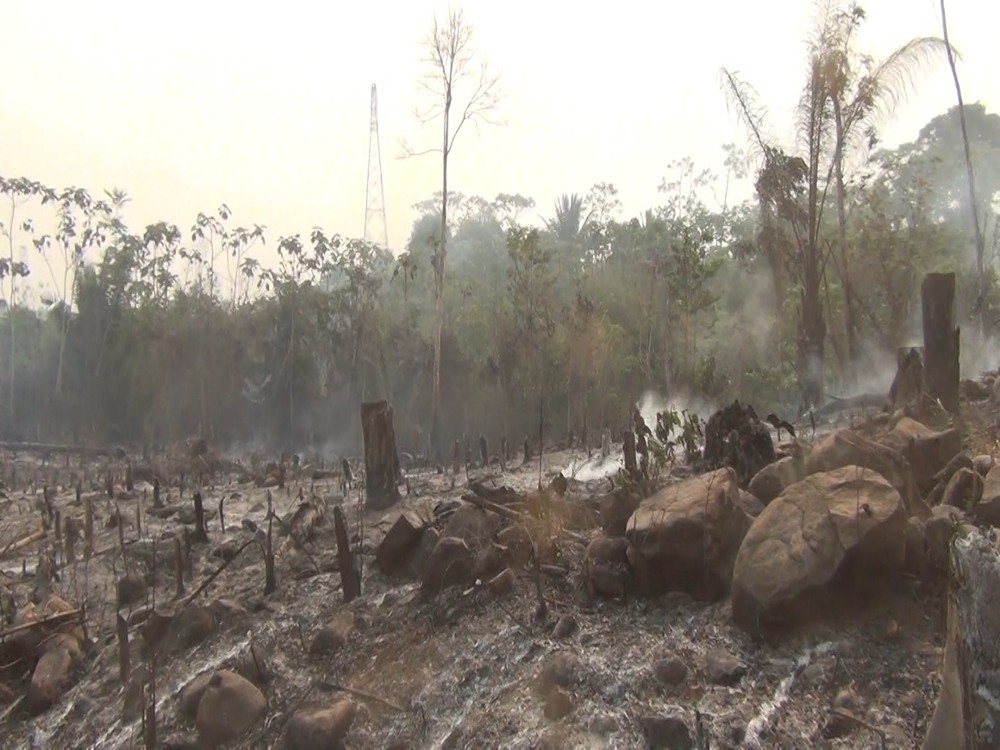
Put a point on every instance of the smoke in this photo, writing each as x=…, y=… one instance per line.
x=652, y=403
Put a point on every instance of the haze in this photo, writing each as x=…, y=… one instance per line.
x=266, y=108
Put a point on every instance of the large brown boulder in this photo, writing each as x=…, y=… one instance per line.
x=848, y=448
x=830, y=535
x=686, y=536
x=771, y=481
x=229, y=706
x=986, y=512
x=927, y=450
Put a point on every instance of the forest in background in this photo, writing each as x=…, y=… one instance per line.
x=163, y=334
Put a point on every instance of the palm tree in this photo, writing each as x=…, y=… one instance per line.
x=845, y=98
x=569, y=221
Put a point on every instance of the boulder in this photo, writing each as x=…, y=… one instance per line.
x=848, y=448
x=606, y=570
x=927, y=450
x=229, y=706
x=53, y=672
x=831, y=536
x=964, y=490
x=686, y=536
x=770, y=481
x=320, y=728
x=736, y=438
x=400, y=542
x=450, y=564
x=330, y=638
x=987, y=511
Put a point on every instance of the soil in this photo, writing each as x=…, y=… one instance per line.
x=459, y=670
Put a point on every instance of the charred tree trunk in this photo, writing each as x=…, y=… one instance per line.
x=350, y=577
x=907, y=388
x=966, y=716
x=381, y=459
x=941, y=339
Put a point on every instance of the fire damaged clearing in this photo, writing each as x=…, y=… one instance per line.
x=212, y=602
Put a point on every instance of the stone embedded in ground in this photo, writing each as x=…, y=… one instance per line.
x=253, y=665
x=938, y=532
x=563, y=669
x=827, y=539
x=606, y=569
x=723, y=668
x=475, y=526
x=750, y=504
x=488, y=562
x=132, y=589
x=331, y=637
x=229, y=706
x=450, y=564
x=400, y=542
x=190, y=696
x=558, y=704
x=987, y=511
x=615, y=509
x=187, y=628
x=53, y=672
x=502, y=584
x=668, y=731
x=417, y=565
x=671, y=671
x=515, y=542
x=771, y=480
x=320, y=728
x=565, y=627
x=964, y=490
x=686, y=536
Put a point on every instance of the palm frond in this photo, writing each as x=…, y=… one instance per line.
x=743, y=98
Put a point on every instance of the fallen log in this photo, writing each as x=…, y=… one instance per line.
x=56, y=619
x=83, y=450
x=967, y=713
x=499, y=495
x=24, y=542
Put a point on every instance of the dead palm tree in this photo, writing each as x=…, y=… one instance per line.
x=569, y=222
x=845, y=98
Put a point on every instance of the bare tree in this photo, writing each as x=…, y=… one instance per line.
x=455, y=72
x=973, y=205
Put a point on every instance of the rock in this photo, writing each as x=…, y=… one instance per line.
x=488, y=562
x=722, y=668
x=666, y=732
x=132, y=589
x=53, y=672
x=686, y=536
x=973, y=390
x=916, y=550
x=320, y=728
x=253, y=665
x=964, y=490
x=938, y=532
x=959, y=461
x=418, y=561
x=563, y=669
x=771, y=480
x=398, y=545
x=987, y=511
x=606, y=569
x=476, y=527
x=503, y=583
x=983, y=464
x=558, y=704
x=229, y=706
x=847, y=448
x=615, y=509
x=834, y=533
x=928, y=451
x=450, y=564
x=750, y=504
x=190, y=696
x=331, y=637
x=226, y=610
x=186, y=629
x=565, y=627
x=670, y=672
x=735, y=438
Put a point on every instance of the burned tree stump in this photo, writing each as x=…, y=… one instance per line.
x=941, y=339
x=629, y=453
x=966, y=716
x=735, y=437
x=350, y=578
x=200, y=532
x=907, y=388
x=381, y=459
x=484, y=454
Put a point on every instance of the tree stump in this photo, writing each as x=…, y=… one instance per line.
x=907, y=388
x=966, y=716
x=941, y=339
x=381, y=459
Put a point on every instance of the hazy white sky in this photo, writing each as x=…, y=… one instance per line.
x=265, y=106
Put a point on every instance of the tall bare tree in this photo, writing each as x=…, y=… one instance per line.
x=973, y=205
x=460, y=88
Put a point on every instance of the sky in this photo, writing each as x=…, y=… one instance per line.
x=265, y=106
